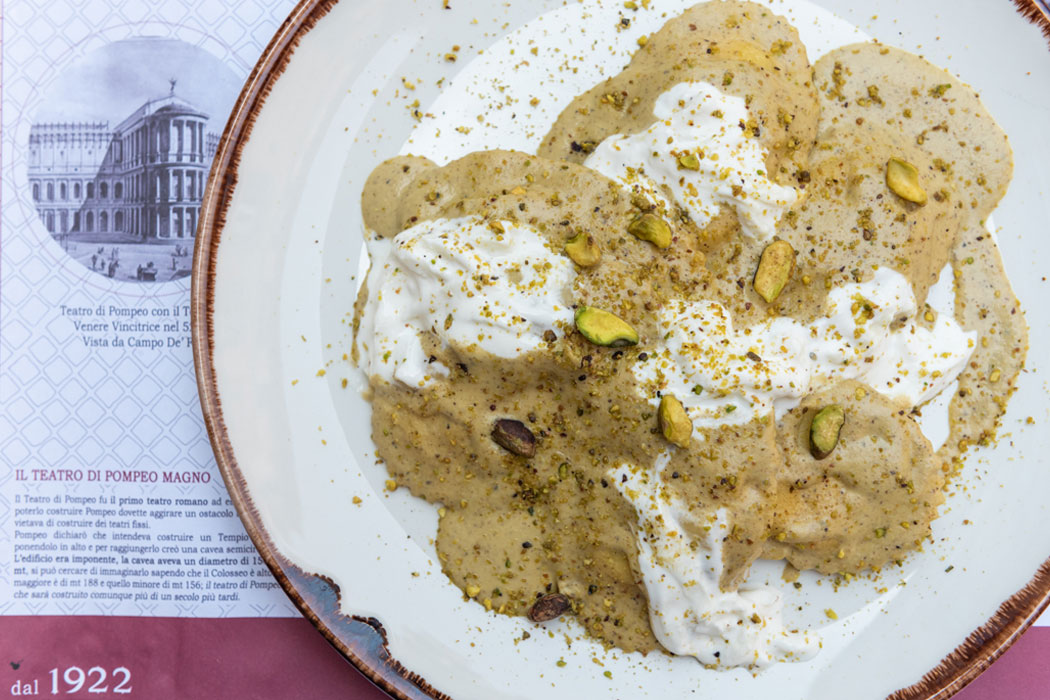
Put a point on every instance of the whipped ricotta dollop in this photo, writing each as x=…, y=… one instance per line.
x=869, y=332
x=700, y=152
x=680, y=559
x=493, y=287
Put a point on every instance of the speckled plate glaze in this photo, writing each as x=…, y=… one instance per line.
x=278, y=260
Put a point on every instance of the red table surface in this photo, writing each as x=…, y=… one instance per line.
x=200, y=659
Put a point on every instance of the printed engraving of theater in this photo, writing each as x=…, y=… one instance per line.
x=141, y=182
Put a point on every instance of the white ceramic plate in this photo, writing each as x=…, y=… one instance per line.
x=279, y=258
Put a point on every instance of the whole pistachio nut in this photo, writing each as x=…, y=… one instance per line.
x=514, y=437
x=674, y=421
x=824, y=430
x=583, y=250
x=549, y=607
x=774, y=270
x=903, y=179
x=689, y=161
x=605, y=329
x=650, y=227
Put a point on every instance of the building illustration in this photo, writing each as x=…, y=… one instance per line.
x=131, y=188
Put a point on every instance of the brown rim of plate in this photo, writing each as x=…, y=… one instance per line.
x=1037, y=12
x=363, y=641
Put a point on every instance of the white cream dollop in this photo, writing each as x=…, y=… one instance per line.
x=698, y=119
x=722, y=375
x=468, y=284
x=680, y=560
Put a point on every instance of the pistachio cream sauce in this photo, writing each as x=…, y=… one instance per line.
x=691, y=332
